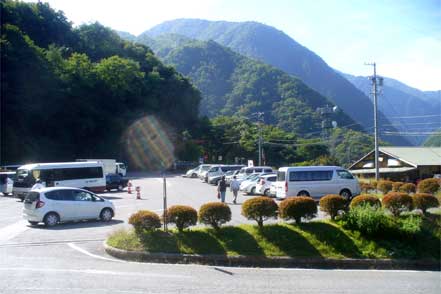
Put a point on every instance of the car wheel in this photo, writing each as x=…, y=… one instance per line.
x=106, y=215
x=346, y=194
x=51, y=219
x=33, y=223
x=120, y=188
x=253, y=191
x=194, y=175
x=266, y=193
x=303, y=193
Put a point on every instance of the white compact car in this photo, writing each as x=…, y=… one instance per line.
x=264, y=184
x=54, y=205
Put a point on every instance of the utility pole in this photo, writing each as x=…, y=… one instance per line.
x=374, y=79
x=259, y=118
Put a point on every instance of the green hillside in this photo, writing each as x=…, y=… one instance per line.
x=71, y=93
x=233, y=84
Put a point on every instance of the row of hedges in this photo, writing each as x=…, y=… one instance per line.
x=430, y=186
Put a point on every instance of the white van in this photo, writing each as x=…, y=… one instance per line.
x=246, y=171
x=315, y=181
x=86, y=175
x=6, y=182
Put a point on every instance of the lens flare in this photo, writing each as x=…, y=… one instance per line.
x=148, y=145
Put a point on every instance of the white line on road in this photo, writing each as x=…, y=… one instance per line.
x=12, y=231
x=75, y=247
x=94, y=272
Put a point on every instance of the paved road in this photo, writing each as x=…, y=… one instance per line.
x=70, y=258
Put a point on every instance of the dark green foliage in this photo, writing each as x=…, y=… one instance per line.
x=145, y=220
x=332, y=204
x=397, y=202
x=369, y=220
x=424, y=201
x=88, y=87
x=214, y=214
x=365, y=199
x=430, y=186
x=259, y=209
x=297, y=207
x=408, y=188
x=182, y=216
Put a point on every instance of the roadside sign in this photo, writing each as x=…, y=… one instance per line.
x=250, y=163
x=201, y=160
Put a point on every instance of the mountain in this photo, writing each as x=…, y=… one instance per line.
x=434, y=140
x=273, y=47
x=235, y=84
x=410, y=110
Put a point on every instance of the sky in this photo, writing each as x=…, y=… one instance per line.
x=402, y=36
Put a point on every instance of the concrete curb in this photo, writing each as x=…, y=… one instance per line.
x=282, y=262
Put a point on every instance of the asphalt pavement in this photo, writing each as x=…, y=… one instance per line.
x=70, y=257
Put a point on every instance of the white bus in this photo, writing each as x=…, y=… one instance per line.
x=85, y=175
x=315, y=181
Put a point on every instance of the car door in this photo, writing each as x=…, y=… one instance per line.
x=85, y=206
x=62, y=202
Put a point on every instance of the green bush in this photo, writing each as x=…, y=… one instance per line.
x=373, y=183
x=366, y=187
x=259, y=209
x=145, y=220
x=424, y=201
x=297, y=207
x=396, y=186
x=408, y=188
x=368, y=220
x=409, y=226
x=385, y=186
x=214, y=214
x=182, y=216
x=397, y=202
x=332, y=204
x=365, y=199
x=430, y=186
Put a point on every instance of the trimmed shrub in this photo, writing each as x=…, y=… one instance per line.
x=365, y=199
x=259, y=209
x=332, y=204
x=385, y=186
x=396, y=186
x=366, y=187
x=397, y=202
x=424, y=201
x=214, y=214
x=368, y=220
x=182, y=216
x=408, y=188
x=297, y=207
x=430, y=186
x=373, y=183
x=145, y=220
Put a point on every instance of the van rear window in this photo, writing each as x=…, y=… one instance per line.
x=281, y=176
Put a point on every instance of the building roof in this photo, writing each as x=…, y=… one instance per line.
x=383, y=170
x=414, y=156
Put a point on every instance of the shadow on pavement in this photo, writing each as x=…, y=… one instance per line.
x=80, y=225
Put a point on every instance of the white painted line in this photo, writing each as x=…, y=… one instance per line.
x=94, y=272
x=12, y=231
x=75, y=247
x=70, y=290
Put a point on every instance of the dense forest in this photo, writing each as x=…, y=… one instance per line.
x=71, y=92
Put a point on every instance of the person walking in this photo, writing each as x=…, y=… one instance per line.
x=222, y=189
x=234, y=187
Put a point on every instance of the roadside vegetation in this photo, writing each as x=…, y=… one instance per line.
x=364, y=228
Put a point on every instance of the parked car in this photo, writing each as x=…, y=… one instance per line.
x=264, y=184
x=248, y=186
x=191, y=173
x=6, y=182
x=116, y=181
x=216, y=172
x=316, y=181
x=229, y=176
x=246, y=171
x=61, y=204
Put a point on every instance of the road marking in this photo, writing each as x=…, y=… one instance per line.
x=12, y=231
x=95, y=272
x=51, y=242
x=70, y=290
x=75, y=247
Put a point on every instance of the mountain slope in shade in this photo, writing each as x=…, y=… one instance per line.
x=409, y=110
x=274, y=47
x=234, y=84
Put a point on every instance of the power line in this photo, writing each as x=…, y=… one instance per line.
x=417, y=116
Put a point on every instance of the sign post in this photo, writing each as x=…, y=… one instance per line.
x=164, y=196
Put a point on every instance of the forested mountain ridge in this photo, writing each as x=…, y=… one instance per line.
x=233, y=84
x=71, y=93
x=275, y=48
x=409, y=110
